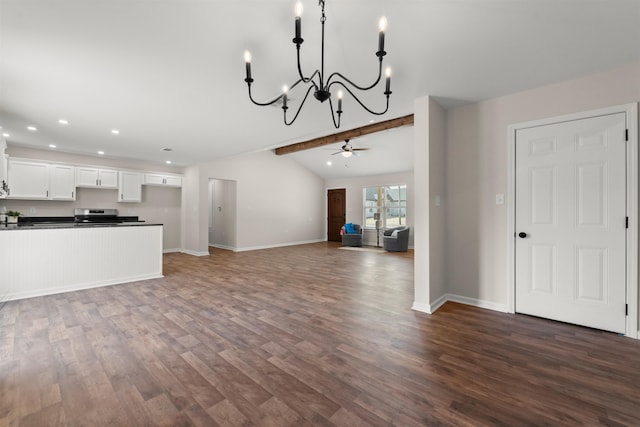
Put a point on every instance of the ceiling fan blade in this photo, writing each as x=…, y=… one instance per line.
x=338, y=152
x=360, y=149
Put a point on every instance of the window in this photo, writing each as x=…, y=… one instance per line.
x=389, y=201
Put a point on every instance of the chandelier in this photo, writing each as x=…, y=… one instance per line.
x=317, y=83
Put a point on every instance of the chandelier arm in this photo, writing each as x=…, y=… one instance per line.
x=264, y=104
x=363, y=88
x=299, y=108
x=360, y=102
x=273, y=101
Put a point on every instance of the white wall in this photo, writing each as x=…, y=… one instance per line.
x=278, y=202
x=160, y=205
x=354, y=187
x=476, y=164
x=437, y=201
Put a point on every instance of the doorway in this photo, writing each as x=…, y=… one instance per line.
x=222, y=214
x=572, y=242
x=336, y=213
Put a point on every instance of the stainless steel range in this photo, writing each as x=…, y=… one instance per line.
x=101, y=216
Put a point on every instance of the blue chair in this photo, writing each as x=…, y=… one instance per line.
x=352, y=238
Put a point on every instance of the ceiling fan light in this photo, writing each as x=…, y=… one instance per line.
x=347, y=154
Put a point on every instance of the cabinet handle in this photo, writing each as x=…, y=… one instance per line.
x=47, y=193
x=96, y=182
x=72, y=194
x=121, y=196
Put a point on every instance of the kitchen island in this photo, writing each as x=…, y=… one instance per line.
x=43, y=259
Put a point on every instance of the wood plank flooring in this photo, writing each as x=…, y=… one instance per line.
x=305, y=335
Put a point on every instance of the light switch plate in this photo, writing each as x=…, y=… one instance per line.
x=499, y=199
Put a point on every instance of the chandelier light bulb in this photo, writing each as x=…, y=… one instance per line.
x=247, y=60
x=382, y=24
x=299, y=9
x=388, y=83
x=285, y=89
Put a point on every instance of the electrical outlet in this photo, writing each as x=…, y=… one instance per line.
x=32, y=211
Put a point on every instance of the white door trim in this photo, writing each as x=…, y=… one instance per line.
x=631, y=111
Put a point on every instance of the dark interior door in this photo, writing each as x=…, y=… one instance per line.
x=336, y=202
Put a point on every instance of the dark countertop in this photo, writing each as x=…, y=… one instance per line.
x=57, y=225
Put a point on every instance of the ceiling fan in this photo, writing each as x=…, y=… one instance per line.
x=347, y=150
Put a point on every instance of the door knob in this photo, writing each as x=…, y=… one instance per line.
x=522, y=235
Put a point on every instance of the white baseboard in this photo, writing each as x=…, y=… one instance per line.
x=421, y=307
x=171, y=250
x=480, y=303
x=194, y=253
x=226, y=248
x=439, y=302
x=277, y=245
x=78, y=287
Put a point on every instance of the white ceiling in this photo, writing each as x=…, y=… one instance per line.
x=169, y=73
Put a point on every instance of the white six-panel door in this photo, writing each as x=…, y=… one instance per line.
x=570, y=213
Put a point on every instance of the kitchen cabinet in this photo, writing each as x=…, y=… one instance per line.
x=96, y=178
x=28, y=180
x=41, y=181
x=130, y=188
x=166, y=180
x=62, y=182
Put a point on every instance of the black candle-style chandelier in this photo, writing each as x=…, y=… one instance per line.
x=316, y=81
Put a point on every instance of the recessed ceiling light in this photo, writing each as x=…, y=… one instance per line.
x=6, y=135
x=115, y=131
x=52, y=145
x=329, y=163
x=371, y=121
x=168, y=162
x=101, y=152
x=32, y=128
x=63, y=121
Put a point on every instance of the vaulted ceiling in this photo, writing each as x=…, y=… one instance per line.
x=169, y=73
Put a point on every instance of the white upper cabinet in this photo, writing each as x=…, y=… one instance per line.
x=62, y=182
x=166, y=180
x=96, y=178
x=28, y=180
x=130, y=189
x=41, y=181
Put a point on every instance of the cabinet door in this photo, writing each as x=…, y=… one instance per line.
x=86, y=177
x=153, y=179
x=62, y=182
x=130, y=187
x=173, y=181
x=108, y=178
x=28, y=180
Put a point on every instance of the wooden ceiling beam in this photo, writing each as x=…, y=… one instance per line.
x=347, y=134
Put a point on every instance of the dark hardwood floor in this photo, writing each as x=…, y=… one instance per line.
x=306, y=335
